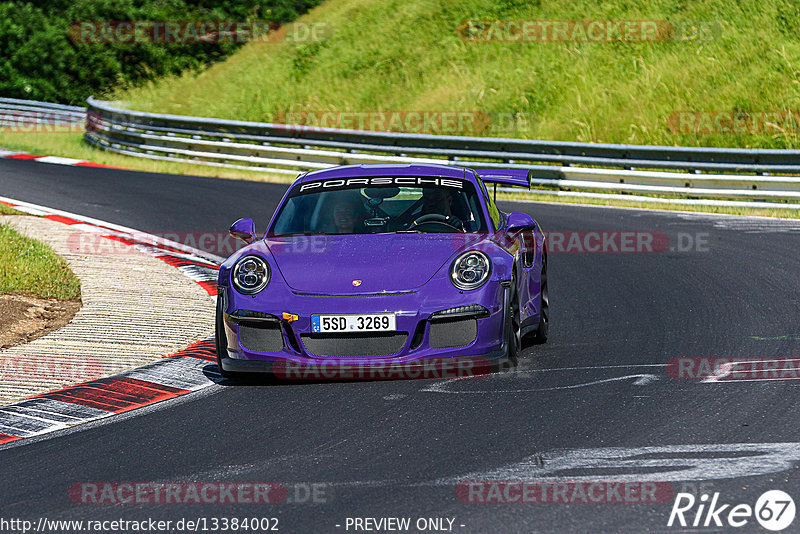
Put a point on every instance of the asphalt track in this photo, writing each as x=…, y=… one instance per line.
x=400, y=448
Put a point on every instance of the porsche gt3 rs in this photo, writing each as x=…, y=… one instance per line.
x=376, y=264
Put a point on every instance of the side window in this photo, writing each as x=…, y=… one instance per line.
x=494, y=213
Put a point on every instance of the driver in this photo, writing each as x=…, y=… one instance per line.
x=344, y=217
x=440, y=202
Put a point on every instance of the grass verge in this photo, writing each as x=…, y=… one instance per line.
x=7, y=210
x=33, y=268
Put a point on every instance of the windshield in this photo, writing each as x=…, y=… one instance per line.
x=366, y=207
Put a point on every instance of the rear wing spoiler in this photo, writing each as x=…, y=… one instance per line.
x=514, y=177
x=507, y=177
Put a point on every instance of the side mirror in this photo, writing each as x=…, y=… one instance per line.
x=244, y=229
x=519, y=221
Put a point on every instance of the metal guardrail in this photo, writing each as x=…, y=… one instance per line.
x=15, y=112
x=696, y=172
x=693, y=172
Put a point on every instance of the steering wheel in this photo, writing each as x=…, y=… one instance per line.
x=436, y=218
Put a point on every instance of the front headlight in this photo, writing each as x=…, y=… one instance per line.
x=250, y=275
x=470, y=270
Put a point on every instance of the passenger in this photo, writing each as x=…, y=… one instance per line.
x=346, y=217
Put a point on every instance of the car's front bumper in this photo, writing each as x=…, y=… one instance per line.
x=288, y=314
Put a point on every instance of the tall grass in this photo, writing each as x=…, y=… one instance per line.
x=407, y=55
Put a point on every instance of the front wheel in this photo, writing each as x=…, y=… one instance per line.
x=513, y=326
x=221, y=341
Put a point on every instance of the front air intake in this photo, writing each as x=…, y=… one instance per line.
x=355, y=345
x=261, y=337
x=450, y=333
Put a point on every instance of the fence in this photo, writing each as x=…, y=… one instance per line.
x=694, y=172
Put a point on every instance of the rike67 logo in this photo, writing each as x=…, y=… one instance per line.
x=774, y=510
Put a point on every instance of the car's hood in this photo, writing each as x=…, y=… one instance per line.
x=355, y=264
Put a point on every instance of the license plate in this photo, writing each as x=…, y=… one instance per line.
x=372, y=322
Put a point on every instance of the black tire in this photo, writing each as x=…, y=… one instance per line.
x=513, y=326
x=539, y=336
x=221, y=341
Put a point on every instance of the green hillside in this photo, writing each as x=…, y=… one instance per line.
x=410, y=55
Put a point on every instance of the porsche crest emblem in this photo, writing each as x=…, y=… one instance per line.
x=356, y=283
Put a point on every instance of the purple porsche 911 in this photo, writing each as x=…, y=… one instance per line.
x=365, y=265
